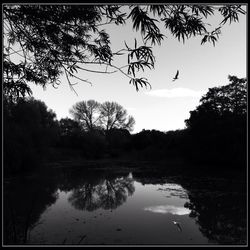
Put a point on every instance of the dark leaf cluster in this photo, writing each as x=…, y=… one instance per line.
x=231, y=13
x=143, y=22
x=139, y=58
x=139, y=82
x=183, y=25
x=114, y=14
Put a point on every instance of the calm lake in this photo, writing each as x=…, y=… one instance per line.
x=75, y=206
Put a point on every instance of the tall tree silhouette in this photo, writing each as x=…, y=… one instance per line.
x=87, y=113
x=218, y=125
x=30, y=128
x=114, y=115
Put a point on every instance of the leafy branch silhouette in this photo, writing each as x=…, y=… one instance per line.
x=52, y=40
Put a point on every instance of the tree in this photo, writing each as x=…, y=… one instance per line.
x=106, y=116
x=228, y=100
x=30, y=128
x=51, y=40
x=218, y=125
x=87, y=114
x=114, y=115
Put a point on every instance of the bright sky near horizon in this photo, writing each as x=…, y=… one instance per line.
x=167, y=104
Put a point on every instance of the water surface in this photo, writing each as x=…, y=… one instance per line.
x=72, y=206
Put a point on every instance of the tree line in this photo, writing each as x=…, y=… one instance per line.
x=31, y=130
x=215, y=132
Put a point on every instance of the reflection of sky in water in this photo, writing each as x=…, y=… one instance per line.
x=165, y=209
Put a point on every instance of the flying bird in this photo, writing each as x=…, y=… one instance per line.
x=176, y=76
x=178, y=225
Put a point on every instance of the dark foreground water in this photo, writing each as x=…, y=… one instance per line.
x=73, y=206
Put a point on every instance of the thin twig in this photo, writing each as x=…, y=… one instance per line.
x=26, y=58
x=84, y=236
x=113, y=66
x=15, y=51
x=66, y=73
x=96, y=71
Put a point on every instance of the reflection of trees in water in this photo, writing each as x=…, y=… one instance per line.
x=24, y=202
x=84, y=197
x=109, y=193
x=220, y=210
x=217, y=204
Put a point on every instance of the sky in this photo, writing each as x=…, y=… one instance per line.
x=167, y=104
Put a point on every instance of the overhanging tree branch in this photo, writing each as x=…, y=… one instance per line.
x=55, y=37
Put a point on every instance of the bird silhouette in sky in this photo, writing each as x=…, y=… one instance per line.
x=178, y=225
x=176, y=76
